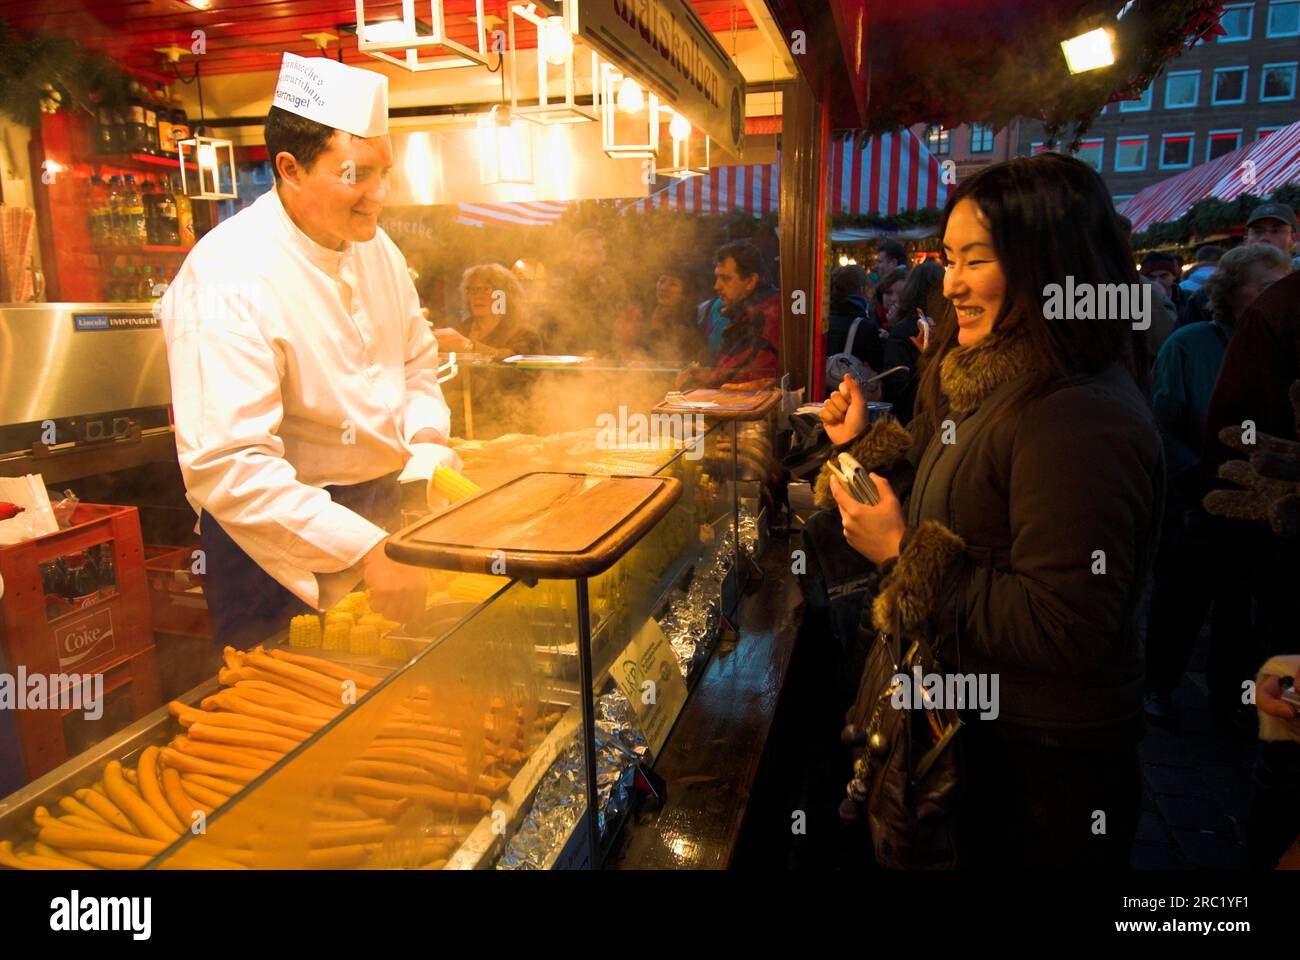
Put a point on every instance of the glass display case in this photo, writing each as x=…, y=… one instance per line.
x=459, y=740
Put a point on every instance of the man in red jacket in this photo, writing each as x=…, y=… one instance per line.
x=752, y=309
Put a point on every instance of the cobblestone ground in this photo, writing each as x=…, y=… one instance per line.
x=1196, y=790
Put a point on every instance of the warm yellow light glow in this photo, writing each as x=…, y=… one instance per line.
x=557, y=42
x=199, y=4
x=386, y=30
x=1089, y=51
x=630, y=98
x=207, y=156
x=419, y=167
x=679, y=128
x=844, y=259
x=505, y=148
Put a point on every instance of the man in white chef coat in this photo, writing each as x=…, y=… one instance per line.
x=304, y=378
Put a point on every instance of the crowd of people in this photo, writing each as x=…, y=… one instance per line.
x=1063, y=504
x=588, y=308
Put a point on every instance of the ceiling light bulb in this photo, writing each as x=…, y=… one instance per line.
x=557, y=42
x=207, y=156
x=630, y=97
x=679, y=128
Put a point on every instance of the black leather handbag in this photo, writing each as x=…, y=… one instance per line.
x=907, y=759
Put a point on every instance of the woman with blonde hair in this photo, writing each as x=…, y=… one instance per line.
x=493, y=311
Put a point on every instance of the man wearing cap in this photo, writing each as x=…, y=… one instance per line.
x=304, y=378
x=1274, y=224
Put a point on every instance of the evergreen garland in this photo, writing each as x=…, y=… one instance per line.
x=44, y=73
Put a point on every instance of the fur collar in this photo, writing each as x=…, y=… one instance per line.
x=969, y=374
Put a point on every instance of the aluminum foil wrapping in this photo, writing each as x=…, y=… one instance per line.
x=558, y=803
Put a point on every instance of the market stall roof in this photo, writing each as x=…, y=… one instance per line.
x=1258, y=168
x=251, y=35
x=533, y=213
x=886, y=175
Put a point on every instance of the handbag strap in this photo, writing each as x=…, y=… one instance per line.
x=853, y=332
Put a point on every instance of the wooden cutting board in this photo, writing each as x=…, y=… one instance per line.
x=731, y=404
x=552, y=525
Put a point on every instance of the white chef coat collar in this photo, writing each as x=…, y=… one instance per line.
x=321, y=255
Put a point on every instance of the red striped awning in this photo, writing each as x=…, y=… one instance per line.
x=532, y=213
x=754, y=189
x=891, y=173
x=1258, y=168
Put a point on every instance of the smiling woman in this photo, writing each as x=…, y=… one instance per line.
x=1022, y=546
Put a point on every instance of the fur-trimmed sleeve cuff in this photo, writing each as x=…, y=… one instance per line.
x=910, y=595
x=878, y=449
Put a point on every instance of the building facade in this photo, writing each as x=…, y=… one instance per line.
x=971, y=146
x=1214, y=98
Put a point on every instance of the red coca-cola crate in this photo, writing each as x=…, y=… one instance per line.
x=111, y=634
x=176, y=592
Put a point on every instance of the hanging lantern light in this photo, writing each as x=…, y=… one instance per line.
x=505, y=148
x=213, y=173
x=690, y=155
x=630, y=120
x=555, y=48
x=405, y=35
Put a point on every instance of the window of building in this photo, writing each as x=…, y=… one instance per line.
x=1284, y=18
x=1090, y=152
x=1175, y=151
x=1130, y=154
x=937, y=140
x=1236, y=20
x=1278, y=82
x=981, y=138
x=1182, y=89
x=1263, y=132
x=1229, y=86
x=1221, y=142
x=1142, y=103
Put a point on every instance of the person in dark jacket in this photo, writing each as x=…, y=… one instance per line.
x=923, y=291
x=1187, y=580
x=1031, y=523
x=849, y=303
x=750, y=345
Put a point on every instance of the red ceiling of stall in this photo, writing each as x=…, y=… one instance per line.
x=250, y=35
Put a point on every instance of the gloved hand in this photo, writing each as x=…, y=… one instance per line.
x=1270, y=479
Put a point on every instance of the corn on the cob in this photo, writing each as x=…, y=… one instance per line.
x=337, y=633
x=391, y=648
x=452, y=485
x=474, y=586
x=305, y=631
x=364, y=640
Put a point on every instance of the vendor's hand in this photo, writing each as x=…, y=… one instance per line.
x=428, y=435
x=845, y=414
x=875, y=532
x=397, y=591
x=1268, y=697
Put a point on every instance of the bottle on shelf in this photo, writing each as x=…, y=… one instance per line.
x=137, y=227
x=168, y=225
x=108, y=130
x=99, y=223
x=52, y=580
x=180, y=122
x=107, y=570
x=116, y=212
x=135, y=135
x=150, y=144
x=149, y=198
x=144, y=286
x=184, y=213
x=80, y=585
x=164, y=110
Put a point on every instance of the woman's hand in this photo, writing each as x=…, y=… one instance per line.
x=845, y=414
x=1268, y=697
x=875, y=532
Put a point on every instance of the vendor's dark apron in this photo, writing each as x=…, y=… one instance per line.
x=246, y=605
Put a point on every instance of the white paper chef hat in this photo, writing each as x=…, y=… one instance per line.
x=345, y=98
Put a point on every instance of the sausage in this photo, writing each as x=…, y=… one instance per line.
x=77, y=808
x=188, y=715
x=331, y=686
x=233, y=736
x=434, y=796
x=180, y=801
x=109, y=860
x=71, y=838
x=103, y=806
x=333, y=699
x=152, y=792
x=140, y=812
x=237, y=704
x=327, y=667
x=272, y=695
x=201, y=792
x=187, y=764
x=219, y=753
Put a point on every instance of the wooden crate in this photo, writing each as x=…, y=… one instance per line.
x=112, y=635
